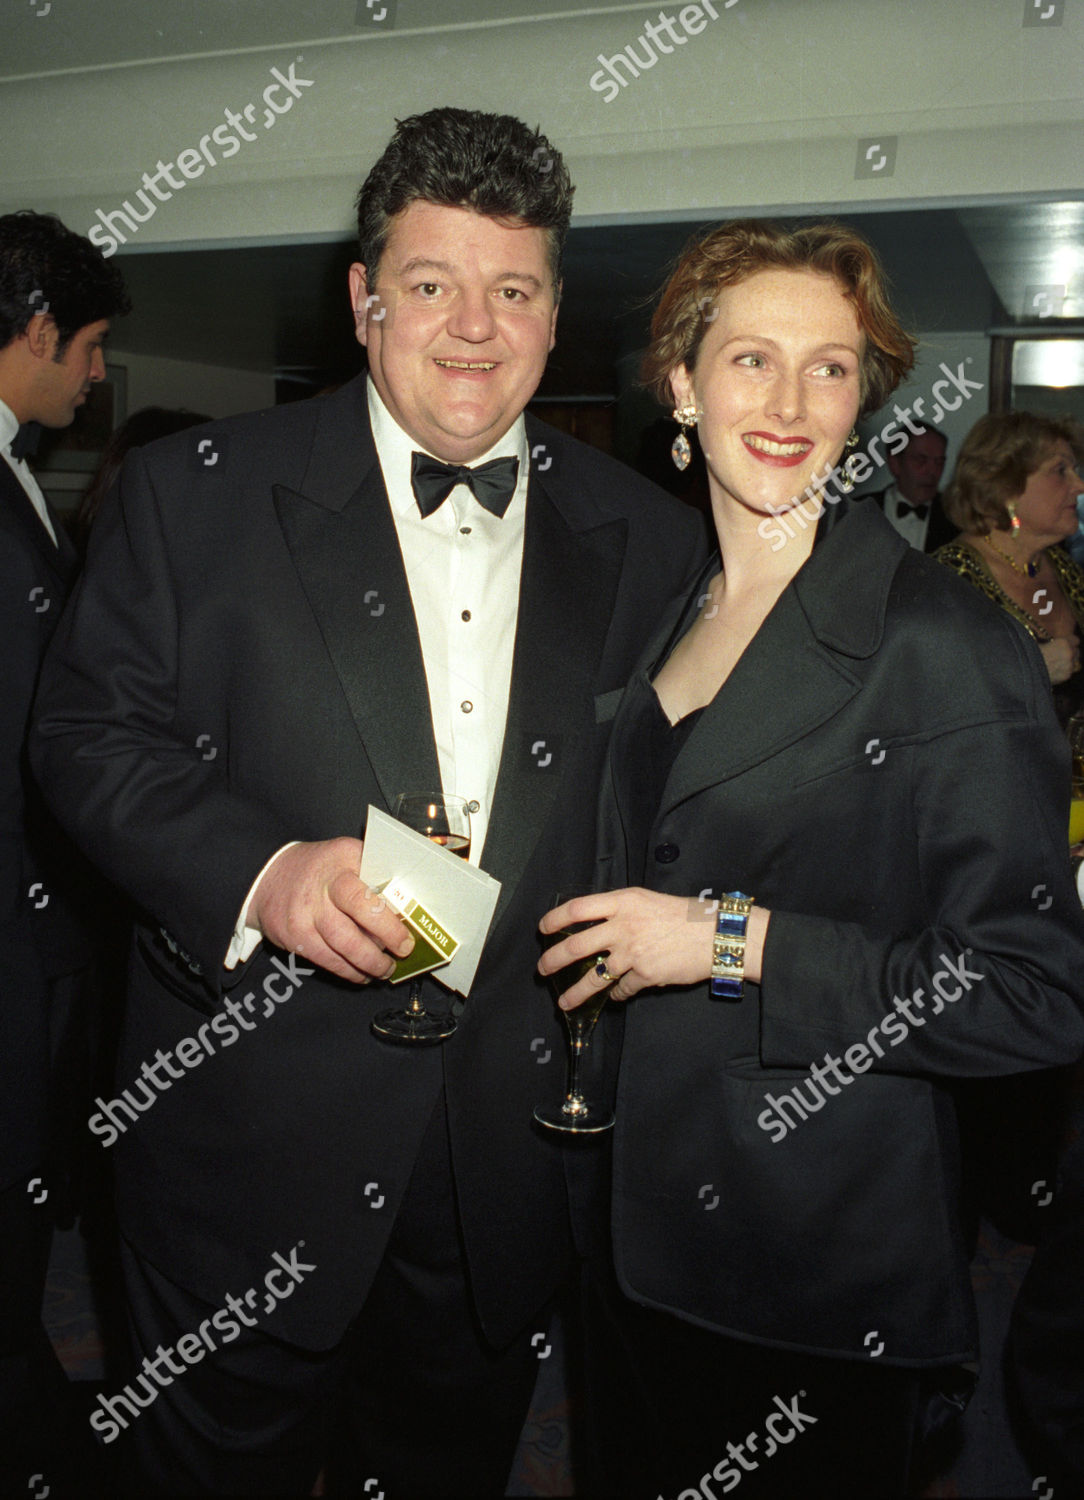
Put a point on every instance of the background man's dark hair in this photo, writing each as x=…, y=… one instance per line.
x=39, y=254
x=917, y=428
x=461, y=158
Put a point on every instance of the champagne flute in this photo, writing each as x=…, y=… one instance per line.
x=446, y=821
x=575, y=1114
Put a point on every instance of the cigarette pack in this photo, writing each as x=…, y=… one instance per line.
x=434, y=945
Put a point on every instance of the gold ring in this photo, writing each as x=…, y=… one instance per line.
x=603, y=972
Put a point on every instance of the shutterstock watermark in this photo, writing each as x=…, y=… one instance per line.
x=691, y=19
x=782, y=1426
x=947, y=395
x=278, y=99
x=191, y=1050
x=192, y=1347
x=948, y=985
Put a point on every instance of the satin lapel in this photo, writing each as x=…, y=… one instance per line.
x=568, y=585
x=60, y=559
x=346, y=552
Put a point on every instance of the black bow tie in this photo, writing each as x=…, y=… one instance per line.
x=492, y=484
x=25, y=441
x=905, y=508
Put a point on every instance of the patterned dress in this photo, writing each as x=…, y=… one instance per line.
x=1068, y=695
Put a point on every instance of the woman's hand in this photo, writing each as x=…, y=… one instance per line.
x=1062, y=656
x=649, y=939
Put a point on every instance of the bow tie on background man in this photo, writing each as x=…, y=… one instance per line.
x=25, y=442
x=904, y=508
x=492, y=484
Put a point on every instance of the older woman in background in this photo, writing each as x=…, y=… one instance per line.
x=1013, y=496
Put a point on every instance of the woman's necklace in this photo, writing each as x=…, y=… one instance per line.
x=1031, y=570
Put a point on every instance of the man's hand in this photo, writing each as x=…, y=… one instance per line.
x=311, y=902
x=1062, y=656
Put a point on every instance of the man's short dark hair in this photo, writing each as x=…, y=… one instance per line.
x=915, y=428
x=461, y=158
x=44, y=266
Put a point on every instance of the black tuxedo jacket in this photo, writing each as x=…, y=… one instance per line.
x=41, y=935
x=883, y=771
x=241, y=667
x=939, y=529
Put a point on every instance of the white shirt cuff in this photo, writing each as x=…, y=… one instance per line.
x=247, y=939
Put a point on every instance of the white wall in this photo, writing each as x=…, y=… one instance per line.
x=967, y=356
x=765, y=107
x=213, y=389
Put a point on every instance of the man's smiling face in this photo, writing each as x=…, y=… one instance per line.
x=461, y=321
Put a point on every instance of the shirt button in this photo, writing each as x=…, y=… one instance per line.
x=464, y=531
x=665, y=854
x=466, y=705
x=474, y=807
x=465, y=615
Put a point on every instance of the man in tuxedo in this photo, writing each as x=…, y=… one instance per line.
x=286, y=617
x=57, y=294
x=912, y=502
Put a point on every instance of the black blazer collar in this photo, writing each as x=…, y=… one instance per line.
x=797, y=671
x=843, y=587
x=343, y=542
x=343, y=453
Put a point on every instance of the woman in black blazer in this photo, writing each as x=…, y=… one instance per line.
x=861, y=752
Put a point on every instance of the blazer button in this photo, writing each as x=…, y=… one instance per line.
x=665, y=854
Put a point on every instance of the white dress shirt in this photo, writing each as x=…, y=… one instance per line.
x=9, y=426
x=462, y=566
x=911, y=527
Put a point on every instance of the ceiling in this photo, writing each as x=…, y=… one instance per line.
x=51, y=36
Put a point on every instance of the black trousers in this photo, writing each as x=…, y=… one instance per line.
x=42, y=1431
x=686, y=1414
x=413, y=1403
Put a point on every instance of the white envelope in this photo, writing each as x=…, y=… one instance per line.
x=458, y=894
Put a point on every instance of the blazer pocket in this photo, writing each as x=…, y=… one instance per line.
x=877, y=754
x=749, y=1070
x=172, y=975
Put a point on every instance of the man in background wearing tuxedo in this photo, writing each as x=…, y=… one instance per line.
x=913, y=502
x=405, y=585
x=57, y=294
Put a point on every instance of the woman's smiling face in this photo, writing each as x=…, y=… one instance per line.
x=777, y=386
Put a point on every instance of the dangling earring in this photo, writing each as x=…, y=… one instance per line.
x=845, y=481
x=1014, y=519
x=680, y=451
